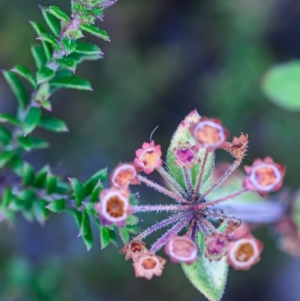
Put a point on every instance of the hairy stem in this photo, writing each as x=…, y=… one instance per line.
x=158, y=208
x=188, y=180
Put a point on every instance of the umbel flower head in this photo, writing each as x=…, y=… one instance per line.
x=202, y=230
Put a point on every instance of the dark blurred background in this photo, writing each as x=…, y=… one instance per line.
x=165, y=59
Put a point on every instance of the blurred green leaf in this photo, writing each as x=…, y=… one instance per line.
x=25, y=73
x=8, y=118
x=89, y=185
x=67, y=63
x=31, y=120
x=132, y=220
x=100, y=33
x=52, y=22
x=125, y=235
x=78, y=191
x=17, y=87
x=40, y=212
x=95, y=193
x=5, y=157
x=29, y=143
x=38, y=55
x=53, y=124
x=87, y=48
x=72, y=82
x=86, y=231
x=44, y=74
x=40, y=179
x=69, y=45
x=5, y=135
x=7, y=196
x=104, y=236
x=281, y=84
x=57, y=206
x=51, y=183
x=58, y=13
x=28, y=174
x=47, y=37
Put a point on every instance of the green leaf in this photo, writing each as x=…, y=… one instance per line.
x=28, y=174
x=25, y=73
x=44, y=74
x=72, y=82
x=53, y=124
x=58, y=13
x=209, y=277
x=281, y=84
x=29, y=143
x=5, y=135
x=43, y=94
x=8, y=118
x=104, y=236
x=89, y=185
x=77, y=215
x=57, y=206
x=47, y=37
x=17, y=165
x=86, y=231
x=182, y=135
x=38, y=55
x=51, y=183
x=31, y=120
x=69, y=45
x=125, y=235
x=7, y=197
x=39, y=29
x=79, y=58
x=40, y=179
x=5, y=157
x=52, y=22
x=78, y=191
x=100, y=33
x=40, y=212
x=17, y=87
x=67, y=63
x=87, y=48
x=132, y=220
x=96, y=192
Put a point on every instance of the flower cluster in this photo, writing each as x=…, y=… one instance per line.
x=194, y=214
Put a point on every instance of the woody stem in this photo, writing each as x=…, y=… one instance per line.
x=166, y=237
x=199, y=182
x=226, y=198
x=223, y=178
x=158, y=208
x=188, y=180
x=161, y=189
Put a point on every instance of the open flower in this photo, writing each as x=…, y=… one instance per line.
x=148, y=265
x=182, y=249
x=238, y=146
x=185, y=155
x=113, y=207
x=209, y=133
x=123, y=175
x=216, y=246
x=244, y=253
x=264, y=176
x=134, y=250
x=148, y=157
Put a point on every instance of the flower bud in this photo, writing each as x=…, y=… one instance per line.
x=134, y=250
x=123, y=175
x=185, y=155
x=215, y=246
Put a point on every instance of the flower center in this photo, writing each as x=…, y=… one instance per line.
x=149, y=263
x=185, y=155
x=149, y=158
x=124, y=175
x=244, y=252
x=115, y=206
x=183, y=248
x=216, y=246
x=209, y=133
x=136, y=247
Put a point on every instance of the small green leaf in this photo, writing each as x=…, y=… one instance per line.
x=96, y=192
x=7, y=197
x=281, y=84
x=104, y=236
x=28, y=174
x=89, y=207
x=57, y=206
x=132, y=220
x=5, y=135
x=50, y=39
x=43, y=94
x=77, y=215
x=72, y=82
x=44, y=74
x=51, y=183
x=5, y=157
x=25, y=73
x=52, y=22
x=38, y=55
x=87, y=48
x=17, y=165
x=8, y=118
x=58, y=13
x=67, y=63
x=17, y=87
x=31, y=120
x=69, y=45
x=78, y=191
x=86, y=231
x=100, y=33
x=40, y=179
x=29, y=143
x=40, y=212
x=89, y=185
x=182, y=135
x=77, y=7
x=53, y=124
x=209, y=277
x=125, y=235
x=79, y=58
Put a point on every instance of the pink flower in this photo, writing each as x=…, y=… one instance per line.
x=209, y=133
x=148, y=157
x=123, y=175
x=182, y=249
x=134, y=250
x=113, y=207
x=244, y=253
x=264, y=176
x=148, y=265
x=185, y=155
x=216, y=246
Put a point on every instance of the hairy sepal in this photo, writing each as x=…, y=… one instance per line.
x=182, y=135
x=208, y=277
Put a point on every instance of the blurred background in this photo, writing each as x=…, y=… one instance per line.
x=165, y=59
